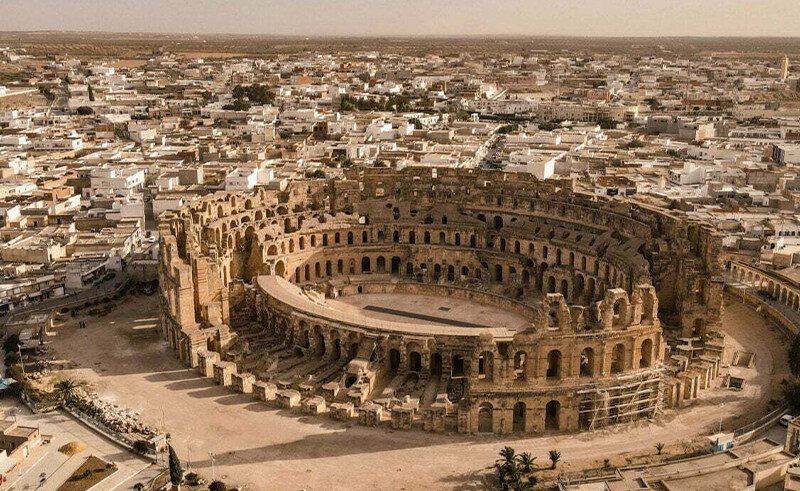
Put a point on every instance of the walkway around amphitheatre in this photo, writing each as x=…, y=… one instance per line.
x=267, y=448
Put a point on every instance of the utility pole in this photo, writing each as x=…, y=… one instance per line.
x=21, y=363
x=213, y=472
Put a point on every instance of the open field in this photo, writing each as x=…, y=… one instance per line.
x=96, y=44
x=123, y=357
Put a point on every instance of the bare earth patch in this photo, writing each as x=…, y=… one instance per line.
x=123, y=357
x=89, y=474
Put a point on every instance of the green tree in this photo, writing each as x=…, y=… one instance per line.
x=175, y=470
x=526, y=462
x=11, y=344
x=508, y=454
x=85, y=111
x=607, y=124
x=217, y=486
x=791, y=393
x=91, y=93
x=794, y=356
x=67, y=389
x=555, y=457
x=659, y=447
x=509, y=471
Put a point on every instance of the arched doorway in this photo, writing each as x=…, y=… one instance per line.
x=647, y=354
x=551, y=416
x=485, y=418
x=519, y=417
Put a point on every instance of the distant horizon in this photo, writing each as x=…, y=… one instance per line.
x=380, y=36
x=412, y=18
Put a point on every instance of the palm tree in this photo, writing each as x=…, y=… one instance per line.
x=67, y=388
x=555, y=456
x=525, y=461
x=508, y=454
x=659, y=447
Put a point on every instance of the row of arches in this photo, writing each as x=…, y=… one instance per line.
x=780, y=291
x=574, y=287
x=578, y=261
x=519, y=415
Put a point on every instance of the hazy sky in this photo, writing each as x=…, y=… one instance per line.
x=412, y=17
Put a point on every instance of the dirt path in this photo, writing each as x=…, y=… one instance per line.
x=124, y=358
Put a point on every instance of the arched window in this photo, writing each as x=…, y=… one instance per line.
x=554, y=364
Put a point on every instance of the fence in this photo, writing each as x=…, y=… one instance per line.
x=157, y=482
x=101, y=428
x=762, y=423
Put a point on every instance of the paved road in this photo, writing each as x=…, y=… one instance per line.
x=47, y=461
x=105, y=287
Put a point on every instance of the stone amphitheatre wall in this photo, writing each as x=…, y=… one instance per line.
x=594, y=276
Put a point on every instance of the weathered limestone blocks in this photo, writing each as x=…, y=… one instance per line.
x=288, y=399
x=315, y=405
x=402, y=417
x=243, y=382
x=306, y=389
x=205, y=362
x=265, y=391
x=434, y=418
x=223, y=372
x=370, y=414
x=342, y=411
x=330, y=390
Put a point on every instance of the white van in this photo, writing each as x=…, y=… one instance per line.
x=786, y=419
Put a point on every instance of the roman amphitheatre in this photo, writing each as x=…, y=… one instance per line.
x=459, y=301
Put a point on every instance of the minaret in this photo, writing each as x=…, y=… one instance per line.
x=785, y=68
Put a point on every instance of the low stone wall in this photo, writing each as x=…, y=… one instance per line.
x=765, y=309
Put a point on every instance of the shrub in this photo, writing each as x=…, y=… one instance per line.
x=217, y=486
x=11, y=344
x=791, y=393
x=140, y=446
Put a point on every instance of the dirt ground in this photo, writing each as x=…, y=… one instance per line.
x=22, y=101
x=123, y=357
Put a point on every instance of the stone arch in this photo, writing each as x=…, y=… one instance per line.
x=646, y=350
x=519, y=412
x=553, y=364
x=485, y=418
x=587, y=362
x=552, y=416
x=618, y=358
x=520, y=360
